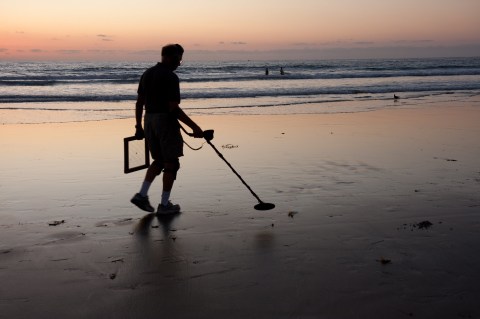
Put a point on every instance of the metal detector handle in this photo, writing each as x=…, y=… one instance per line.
x=207, y=134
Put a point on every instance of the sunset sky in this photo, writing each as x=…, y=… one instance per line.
x=247, y=29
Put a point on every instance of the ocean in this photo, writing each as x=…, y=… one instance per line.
x=39, y=92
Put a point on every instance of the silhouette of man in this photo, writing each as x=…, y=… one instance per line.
x=159, y=92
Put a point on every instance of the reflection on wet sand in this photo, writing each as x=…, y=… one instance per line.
x=346, y=189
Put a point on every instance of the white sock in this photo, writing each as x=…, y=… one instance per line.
x=165, y=198
x=145, y=188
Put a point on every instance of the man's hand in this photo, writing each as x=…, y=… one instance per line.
x=139, y=133
x=197, y=132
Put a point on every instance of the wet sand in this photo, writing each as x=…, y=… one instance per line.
x=346, y=239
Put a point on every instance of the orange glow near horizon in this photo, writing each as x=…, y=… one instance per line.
x=56, y=29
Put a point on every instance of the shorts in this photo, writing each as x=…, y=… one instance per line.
x=162, y=132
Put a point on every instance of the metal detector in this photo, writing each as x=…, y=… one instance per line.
x=208, y=136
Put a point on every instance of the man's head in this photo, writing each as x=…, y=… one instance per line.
x=172, y=55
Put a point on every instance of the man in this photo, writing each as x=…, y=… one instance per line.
x=159, y=92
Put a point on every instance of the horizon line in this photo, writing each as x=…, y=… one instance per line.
x=380, y=52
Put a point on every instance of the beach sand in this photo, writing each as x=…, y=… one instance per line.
x=377, y=216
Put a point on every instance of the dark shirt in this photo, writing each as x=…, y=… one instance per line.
x=159, y=85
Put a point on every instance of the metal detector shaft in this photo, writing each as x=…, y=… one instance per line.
x=208, y=136
x=233, y=170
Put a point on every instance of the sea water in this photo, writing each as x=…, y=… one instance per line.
x=37, y=92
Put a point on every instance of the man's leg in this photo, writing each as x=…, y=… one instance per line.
x=141, y=199
x=169, y=176
x=153, y=171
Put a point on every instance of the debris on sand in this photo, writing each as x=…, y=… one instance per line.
x=123, y=221
x=56, y=223
x=292, y=213
x=446, y=159
x=118, y=260
x=424, y=225
x=384, y=261
x=229, y=146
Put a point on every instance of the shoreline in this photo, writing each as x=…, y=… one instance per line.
x=73, y=112
x=351, y=191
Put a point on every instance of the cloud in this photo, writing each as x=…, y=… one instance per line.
x=331, y=43
x=304, y=44
x=413, y=41
x=233, y=43
x=69, y=52
x=3, y=50
x=105, y=37
x=37, y=50
x=364, y=42
x=337, y=42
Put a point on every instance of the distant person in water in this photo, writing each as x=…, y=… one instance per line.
x=266, y=71
x=281, y=71
x=159, y=92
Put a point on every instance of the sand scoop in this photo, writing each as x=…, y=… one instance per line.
x=208, y=136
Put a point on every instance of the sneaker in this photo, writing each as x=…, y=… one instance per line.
x=142, y=202
x=168, y=209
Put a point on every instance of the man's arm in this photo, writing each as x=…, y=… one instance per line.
x=138, y=116
x=139, y=109
x=175, y=108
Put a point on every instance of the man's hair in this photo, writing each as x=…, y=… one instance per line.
x=172, y=50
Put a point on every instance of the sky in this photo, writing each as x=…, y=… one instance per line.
x=246, y=29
